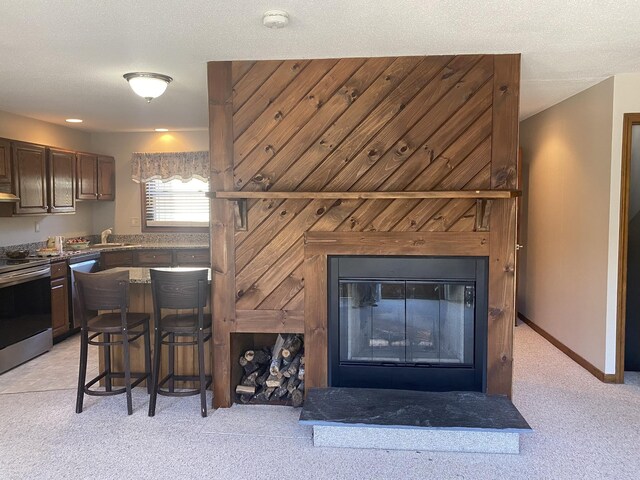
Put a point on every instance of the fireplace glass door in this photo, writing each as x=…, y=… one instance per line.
x=406, y=322
x=415, y=323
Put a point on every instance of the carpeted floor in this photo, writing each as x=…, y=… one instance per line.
x=584, y=429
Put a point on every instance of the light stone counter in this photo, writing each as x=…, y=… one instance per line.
x=141, y=275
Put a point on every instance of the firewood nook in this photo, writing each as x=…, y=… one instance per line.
x=312, y=159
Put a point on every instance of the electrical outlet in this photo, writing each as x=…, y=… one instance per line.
x=135, y=221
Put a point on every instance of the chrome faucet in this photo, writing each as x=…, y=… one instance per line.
x=104, y=236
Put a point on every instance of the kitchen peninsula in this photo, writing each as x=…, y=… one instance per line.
x=141, y=300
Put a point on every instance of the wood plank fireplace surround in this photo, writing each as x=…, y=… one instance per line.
x=312, y=159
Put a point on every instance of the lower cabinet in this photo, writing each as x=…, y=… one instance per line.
x=59, y=299
x=154, y=257
x=116, y=259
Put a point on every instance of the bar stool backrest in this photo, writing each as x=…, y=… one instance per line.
x=179, y=289
x=102, y=291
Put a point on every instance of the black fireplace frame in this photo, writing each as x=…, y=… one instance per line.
x=409, y=376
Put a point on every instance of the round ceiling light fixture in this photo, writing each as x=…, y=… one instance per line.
x=148, y=85
x=275, y=19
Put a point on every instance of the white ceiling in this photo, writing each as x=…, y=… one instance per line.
x=66, y=58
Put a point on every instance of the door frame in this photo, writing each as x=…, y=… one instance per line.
x=630, y=119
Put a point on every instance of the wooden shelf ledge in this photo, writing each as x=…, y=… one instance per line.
x=451, y=194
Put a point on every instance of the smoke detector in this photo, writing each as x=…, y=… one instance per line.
x=275, y=19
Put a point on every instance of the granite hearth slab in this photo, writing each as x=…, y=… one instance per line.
x=402, y=419
x=411, y=409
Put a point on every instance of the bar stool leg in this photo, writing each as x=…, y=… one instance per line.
x=127, y=370
x=155, y=376
x=82, y=372
x=201, y=372
x=107, y=362
x=172, y=360
x=147, y=356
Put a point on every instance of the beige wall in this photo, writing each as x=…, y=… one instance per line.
x=567, y=164
x=126, y=209
x=20, y=229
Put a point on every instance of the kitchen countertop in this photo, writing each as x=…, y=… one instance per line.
x=79, y=255
x=141, y=275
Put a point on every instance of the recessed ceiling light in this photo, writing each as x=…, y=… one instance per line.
x=73, y=120
x=162, y=129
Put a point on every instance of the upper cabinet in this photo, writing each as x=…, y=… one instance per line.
x=5, y=165
x=62, y=189
x=50, y=180
x=30, y=178
x=106, y=178
x=87, y=176
x=95, y=177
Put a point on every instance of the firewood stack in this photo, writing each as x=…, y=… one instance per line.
x=274, y=374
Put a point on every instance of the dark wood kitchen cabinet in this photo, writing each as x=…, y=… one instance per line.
x=106, y=178
x=5, y=165
x=197, y=257
x=59, y=298
x=153, y=258
x=62, y=190
x=122, y=258
x=95, y=177
x=29, y=165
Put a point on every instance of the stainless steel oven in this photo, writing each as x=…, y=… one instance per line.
x=25, y=311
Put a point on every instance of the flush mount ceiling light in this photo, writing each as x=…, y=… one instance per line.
x=275, y=19
x=148, y=85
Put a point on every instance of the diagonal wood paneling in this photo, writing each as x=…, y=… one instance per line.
x=409, y=123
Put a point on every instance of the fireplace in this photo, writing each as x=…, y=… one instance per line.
x=415, y=323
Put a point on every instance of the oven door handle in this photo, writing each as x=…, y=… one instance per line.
x=22, y=277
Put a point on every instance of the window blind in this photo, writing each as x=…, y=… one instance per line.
x=176, y=203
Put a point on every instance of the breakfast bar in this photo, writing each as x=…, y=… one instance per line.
x=141, y=300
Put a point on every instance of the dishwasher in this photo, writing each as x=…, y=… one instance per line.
x=86, y=266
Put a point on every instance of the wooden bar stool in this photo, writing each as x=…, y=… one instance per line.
x=109, y=291
x=178, y=291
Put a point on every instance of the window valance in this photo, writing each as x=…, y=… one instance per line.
x=169, y=166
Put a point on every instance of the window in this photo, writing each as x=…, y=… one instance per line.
x=175, y=205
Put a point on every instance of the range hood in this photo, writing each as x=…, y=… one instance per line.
x=8, y=197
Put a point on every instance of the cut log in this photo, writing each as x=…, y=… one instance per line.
x=301, y=372
x=292, y=384
x=280, y=392
x=292, y=370
x=262, y=378
x=257, y=356
x=301, y=386
x=274, y=381
x=251, y=380
x=245, y=398
x=297, y=398
x=245, y=390
x=242, y=361
x=291, y=347
x=250, y=367
x=276, y=358
x=264, y=395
